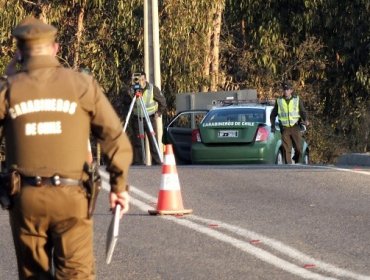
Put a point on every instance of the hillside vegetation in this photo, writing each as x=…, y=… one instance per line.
x=323, y=46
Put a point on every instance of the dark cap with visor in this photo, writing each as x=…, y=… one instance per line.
x=287, y=85
x=32, y=31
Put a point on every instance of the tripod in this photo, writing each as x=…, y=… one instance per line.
x=138, y=96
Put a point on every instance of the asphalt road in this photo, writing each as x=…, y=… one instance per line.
x=248, y=222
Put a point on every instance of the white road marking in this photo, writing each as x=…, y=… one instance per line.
x=352, y=170
x=241, y=245
x=245, y=246
x=347, y=170
x=282, y=248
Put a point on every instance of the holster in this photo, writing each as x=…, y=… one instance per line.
x=10, y=185
x=92, y=185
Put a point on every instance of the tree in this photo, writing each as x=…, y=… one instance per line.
x=225, y=45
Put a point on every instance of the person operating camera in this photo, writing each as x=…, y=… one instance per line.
x=155, y=105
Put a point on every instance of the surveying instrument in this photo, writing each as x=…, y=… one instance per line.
x=143, y=114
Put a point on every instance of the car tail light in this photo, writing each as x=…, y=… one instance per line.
x=195, y=136
x=262, y=134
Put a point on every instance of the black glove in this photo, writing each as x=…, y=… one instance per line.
x=273, y=129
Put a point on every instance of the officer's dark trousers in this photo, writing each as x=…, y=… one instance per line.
x=55, y=217
x=138, y=156
x=292, y=137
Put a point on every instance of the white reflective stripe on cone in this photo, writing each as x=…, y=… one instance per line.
x=170, y=182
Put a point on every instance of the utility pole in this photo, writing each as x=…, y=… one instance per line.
x=151, y=42
x=152, y=56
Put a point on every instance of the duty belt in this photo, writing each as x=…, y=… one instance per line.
x=55, y=180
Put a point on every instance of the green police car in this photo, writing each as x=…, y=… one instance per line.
x=238, y=134
x=178, y=132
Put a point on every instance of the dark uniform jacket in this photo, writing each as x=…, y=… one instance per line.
x=47, y=112
x=159, y=98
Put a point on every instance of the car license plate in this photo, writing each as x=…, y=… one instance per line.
x=227, y=133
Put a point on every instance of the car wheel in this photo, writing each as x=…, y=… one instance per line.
x=180, y=162
x=306, y=158
x=279, y=158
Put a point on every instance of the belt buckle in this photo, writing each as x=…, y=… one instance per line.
x=38, y=180
x=55, y=180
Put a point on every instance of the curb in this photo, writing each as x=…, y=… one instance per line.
x=354, y=159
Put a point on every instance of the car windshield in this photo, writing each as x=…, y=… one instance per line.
x=236, y=115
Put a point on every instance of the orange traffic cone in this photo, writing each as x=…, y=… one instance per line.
x=169, y=196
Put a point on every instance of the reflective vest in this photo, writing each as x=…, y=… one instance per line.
x=148, y=100
x=288, y=112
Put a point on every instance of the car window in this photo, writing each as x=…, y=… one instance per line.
x=268, y=114
x=236, y=115
x=188, y=120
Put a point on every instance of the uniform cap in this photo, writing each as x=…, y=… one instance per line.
x=287, y=85
x=34, y=32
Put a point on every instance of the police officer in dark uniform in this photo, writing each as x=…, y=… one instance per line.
x=47, y=112
x=155, y=105
x=291, y=114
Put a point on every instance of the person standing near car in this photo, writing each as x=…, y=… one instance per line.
x=47, y=112
x=155, y=105
x=291, y=112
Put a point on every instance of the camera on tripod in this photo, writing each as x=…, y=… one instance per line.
x=135, y=82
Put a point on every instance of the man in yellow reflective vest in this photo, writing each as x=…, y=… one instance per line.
x=155, y=105
x=291, y=114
